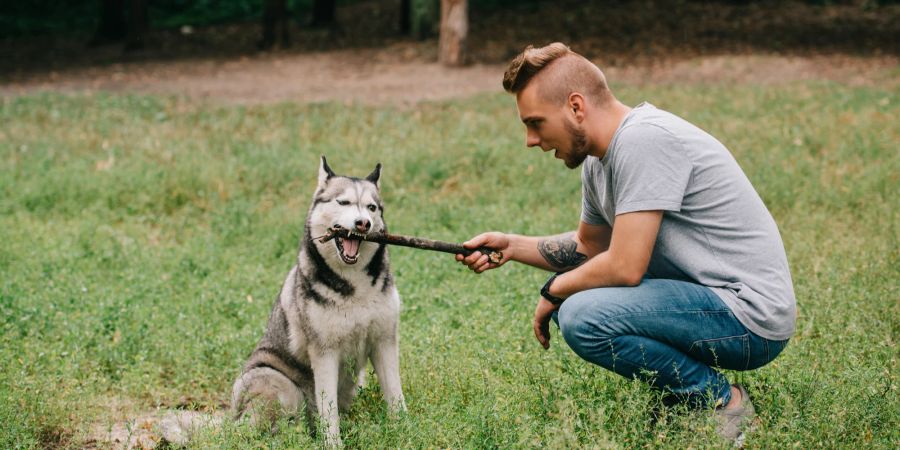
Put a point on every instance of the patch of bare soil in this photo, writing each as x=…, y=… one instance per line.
x=134, y=433
x=355, y=76
x=145, y=430
x=365, y=61
x=128, y=424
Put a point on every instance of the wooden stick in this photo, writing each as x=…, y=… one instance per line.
x=494, y=256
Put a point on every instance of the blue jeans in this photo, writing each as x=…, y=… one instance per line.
x=671, y=334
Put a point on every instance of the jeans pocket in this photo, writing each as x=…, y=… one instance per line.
x=731, y=352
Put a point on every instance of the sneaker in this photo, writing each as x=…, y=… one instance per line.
x=733, y=423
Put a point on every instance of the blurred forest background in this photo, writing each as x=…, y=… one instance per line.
x=53, y=34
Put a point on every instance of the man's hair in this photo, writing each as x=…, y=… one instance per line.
x=562, y=72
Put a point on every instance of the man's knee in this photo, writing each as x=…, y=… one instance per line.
x=596, y=314
x=577, y=319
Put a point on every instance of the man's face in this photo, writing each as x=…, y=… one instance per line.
x=551, y=127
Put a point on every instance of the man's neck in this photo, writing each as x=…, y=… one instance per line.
x=606, y=122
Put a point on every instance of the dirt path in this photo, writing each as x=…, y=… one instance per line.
x=386, y=77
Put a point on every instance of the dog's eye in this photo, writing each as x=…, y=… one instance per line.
x=372, y=208
x=343, y=202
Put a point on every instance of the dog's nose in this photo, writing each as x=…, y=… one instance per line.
x=363, y=225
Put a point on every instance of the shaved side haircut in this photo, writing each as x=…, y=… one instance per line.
x=560, y=72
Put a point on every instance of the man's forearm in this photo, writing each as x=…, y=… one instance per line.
x=554, y=253
x=600, y=271
x=624, y=263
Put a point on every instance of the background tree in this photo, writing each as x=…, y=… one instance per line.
x=138, y=25
x=112, y=26
x=122, y=19
x=323, y=13
x=275, y=22
x=454, y=31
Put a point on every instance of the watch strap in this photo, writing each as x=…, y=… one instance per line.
x=545, y=291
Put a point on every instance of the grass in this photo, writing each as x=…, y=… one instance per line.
x=144, y=239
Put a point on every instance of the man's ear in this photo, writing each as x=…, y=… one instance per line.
x=375, y=176
x=325, y=172
x=576, y=104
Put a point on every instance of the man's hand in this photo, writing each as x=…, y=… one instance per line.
x=477, y=261
x=542, y=315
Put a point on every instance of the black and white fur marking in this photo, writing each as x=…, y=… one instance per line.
x=337, y=310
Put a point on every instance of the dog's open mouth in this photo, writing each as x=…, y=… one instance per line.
x=348, y=249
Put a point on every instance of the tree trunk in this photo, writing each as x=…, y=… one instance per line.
x=274, y=24
x=323, y=13
x=405, y=7
x=112, y=27
x=454, y=29
x=138, y=24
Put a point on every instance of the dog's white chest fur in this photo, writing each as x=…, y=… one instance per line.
x=341, y=324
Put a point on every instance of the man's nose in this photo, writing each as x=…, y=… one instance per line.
x=532, y=139
x=363, y=225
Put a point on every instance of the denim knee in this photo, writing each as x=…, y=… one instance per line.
x=574, y=320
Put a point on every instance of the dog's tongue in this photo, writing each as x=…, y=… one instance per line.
x=351, y=247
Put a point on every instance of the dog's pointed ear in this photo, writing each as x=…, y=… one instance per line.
x=325, y=172
x=375, y=176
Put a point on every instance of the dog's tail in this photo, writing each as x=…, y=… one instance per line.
x=178, y=427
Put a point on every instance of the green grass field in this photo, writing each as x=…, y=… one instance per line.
x=143, y=239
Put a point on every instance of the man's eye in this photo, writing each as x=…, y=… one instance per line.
x=343, y=202
x=372, y=208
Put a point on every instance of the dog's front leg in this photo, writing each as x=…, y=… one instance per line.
x=386, y=360
x=325, y=374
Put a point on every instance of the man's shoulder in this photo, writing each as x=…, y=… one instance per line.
x=648, y=119
x=645, y=134
x=648, y=129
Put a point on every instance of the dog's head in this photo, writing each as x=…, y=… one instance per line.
x=349, y=203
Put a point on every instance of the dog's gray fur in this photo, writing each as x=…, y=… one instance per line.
x=333, y=314
x=330, y=318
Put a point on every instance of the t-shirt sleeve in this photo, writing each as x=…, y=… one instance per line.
x=590, y=214
x=652, y=170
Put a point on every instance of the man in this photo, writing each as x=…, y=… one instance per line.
x=676, y=268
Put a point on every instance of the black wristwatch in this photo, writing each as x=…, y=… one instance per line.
x=545, y=291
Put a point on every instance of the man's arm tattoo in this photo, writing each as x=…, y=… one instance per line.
x=561, y=252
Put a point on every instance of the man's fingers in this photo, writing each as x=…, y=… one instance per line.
x=481, y=268
x=545, y=332
x=477, y=261
x=472, y=259
x=476, y=241
x=541, y=335
x=542, y=314
x=487, y=266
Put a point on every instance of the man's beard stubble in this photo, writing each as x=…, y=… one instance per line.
x=579, y=148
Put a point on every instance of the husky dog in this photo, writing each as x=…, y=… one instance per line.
x=337, y=310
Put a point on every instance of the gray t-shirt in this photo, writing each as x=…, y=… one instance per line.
x=715, y=230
